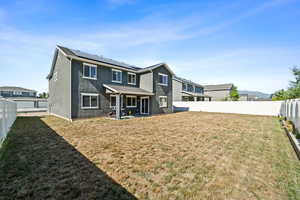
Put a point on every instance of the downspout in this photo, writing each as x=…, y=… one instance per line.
x=70, y=89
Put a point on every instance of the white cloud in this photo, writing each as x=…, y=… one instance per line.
x=138, y=42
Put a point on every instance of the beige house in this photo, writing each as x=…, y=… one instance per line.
x=218, y=92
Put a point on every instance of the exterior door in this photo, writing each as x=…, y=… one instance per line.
x=144, y=105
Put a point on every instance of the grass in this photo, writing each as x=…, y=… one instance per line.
x=188, y=155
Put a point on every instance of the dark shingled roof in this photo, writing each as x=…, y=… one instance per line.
x=14, y=88
x=126, y=90
x=186, y=81
x=80, y=54
x=94, y=57
x=226, y=86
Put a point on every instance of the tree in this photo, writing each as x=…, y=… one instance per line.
x=293, y=90
x=43, y=95
x=296, y=72
x=279, y=95
x=234, y=94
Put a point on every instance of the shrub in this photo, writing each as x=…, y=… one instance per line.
x=290, y=126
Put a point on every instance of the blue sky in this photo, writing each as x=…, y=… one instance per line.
x=251, y=43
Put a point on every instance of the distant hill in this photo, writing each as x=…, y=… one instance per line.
x=260, y=95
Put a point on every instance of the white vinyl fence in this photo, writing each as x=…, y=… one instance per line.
x=290, y=110
x=271, y=108
x=8, y=114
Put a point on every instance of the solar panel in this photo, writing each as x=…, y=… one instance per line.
x=102, y=59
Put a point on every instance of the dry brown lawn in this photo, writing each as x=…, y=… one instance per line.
x=189, y=155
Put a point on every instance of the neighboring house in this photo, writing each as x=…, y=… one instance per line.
x=244, y=97
x=16, y=92
x=185, y=90
x=84, y=85
x=218, y=92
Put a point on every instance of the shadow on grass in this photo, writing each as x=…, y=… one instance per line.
x=37, y=163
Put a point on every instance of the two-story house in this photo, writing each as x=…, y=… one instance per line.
x=16, y=92
x=218, y=92
x=186, y=90
x=83, y=85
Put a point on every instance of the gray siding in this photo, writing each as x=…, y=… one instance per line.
x=60, y=90
x=146, y=81
x=65, y=94
x=83, y=85
x=160, y=90
x=218, y=95
x=177, y=90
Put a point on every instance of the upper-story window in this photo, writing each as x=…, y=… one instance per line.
x=17, y=92
x=163, y=79
x=198, y=89
x=184, y=86
x=190, y=88
x=89, y=71
x=116, y=76
x=131, y=78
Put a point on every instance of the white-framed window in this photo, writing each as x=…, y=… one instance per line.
x=89, y=100
x=17, y=92
x=131, y=78
x=130, y=101
x=89, y=71
x=162, y=79
x=55, y=76
x=163, y=101
x=116, y=76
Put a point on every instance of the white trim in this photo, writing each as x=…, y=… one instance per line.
x=156, y=66
x=90, y=66
x=110, y=88
x=112, y=75
x=166, y=101
x=142, y=104
x=130, y=96
x=130, y=73
x=89, y=94
x=61, y=51
x=166, y=75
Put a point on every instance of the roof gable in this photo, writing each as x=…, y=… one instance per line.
x=14, y=88
x=183, y=80
x=77, y=54
x=227, y=86
x=150, y=68
x=53, y=64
